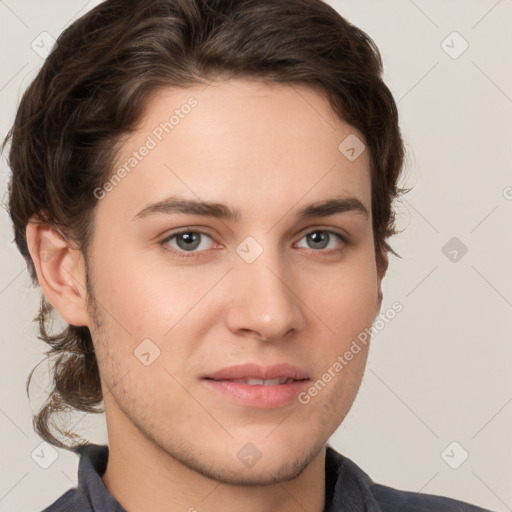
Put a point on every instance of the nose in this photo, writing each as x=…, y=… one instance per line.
x=263, y=300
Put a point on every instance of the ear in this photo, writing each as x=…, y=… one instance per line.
x=60, y=271
x=381, y=272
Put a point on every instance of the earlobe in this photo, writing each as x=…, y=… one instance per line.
x=378, y=303
x=60, y=271
x=383, y=267
x=381, y=272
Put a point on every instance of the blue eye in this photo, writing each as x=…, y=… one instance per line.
x=190, y=244
x=186, y=241
x=323, y=239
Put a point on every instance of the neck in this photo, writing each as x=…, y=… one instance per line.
x=142, y=476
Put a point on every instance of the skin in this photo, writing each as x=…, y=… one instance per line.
x=266, y=150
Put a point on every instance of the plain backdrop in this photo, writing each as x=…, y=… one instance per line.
x=434, y=412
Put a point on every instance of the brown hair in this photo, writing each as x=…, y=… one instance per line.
x=93, y=87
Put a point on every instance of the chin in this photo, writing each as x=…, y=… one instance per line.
x=246, y=465
x=263, y=472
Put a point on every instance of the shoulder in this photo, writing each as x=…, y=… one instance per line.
x=90, y=493
x=71, y=501
x=349, y=479
x=391, y=500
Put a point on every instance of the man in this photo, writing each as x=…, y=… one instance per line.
x=203, y=190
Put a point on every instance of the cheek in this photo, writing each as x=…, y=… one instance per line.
x=345, y=299
x=349, y=311
x=151, y=299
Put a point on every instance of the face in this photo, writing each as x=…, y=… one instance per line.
x=233, y=266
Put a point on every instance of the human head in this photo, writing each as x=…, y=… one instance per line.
x=94, y=87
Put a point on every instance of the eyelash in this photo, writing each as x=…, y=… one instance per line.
x=194, y=254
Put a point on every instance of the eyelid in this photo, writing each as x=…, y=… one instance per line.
x=180, y=254
x=311, y=229
x=181, y=231
x=329, y=229
x=342, y=236
x=187, y=229
x=343, y=241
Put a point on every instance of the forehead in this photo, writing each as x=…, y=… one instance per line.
x=245, y=143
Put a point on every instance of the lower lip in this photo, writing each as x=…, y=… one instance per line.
x=258, y=396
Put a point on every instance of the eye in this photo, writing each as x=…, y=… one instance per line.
x=189, y=244
x=324, y=239
x=187, y=241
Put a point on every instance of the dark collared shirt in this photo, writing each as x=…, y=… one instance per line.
x=348, y=488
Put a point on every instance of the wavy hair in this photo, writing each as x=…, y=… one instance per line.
x=91, y=92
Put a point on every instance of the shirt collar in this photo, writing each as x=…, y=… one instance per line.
x=92, y=465
x=347, y=486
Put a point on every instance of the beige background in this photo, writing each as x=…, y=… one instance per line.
x=441, y=370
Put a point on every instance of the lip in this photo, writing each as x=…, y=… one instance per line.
x=257, y=371
x=258, y=396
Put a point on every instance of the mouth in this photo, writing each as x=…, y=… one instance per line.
x=257, y=386
x=259, y=374
x=265, y=382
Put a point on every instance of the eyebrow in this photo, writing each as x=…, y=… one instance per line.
x=177, y=204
